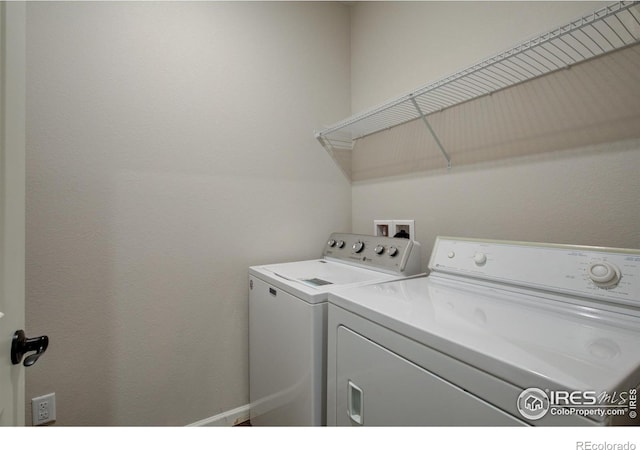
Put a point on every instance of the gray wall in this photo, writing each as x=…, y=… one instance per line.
x=588, y=195
x=169, y=148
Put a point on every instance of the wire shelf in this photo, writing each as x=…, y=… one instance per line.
x=607, y=29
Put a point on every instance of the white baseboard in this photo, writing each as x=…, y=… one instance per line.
x=225, y=419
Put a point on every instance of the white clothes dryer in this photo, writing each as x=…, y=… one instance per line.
x=288, y=317
x=500, y=333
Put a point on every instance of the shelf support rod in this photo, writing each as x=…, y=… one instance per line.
x=330, y=150
x=324, y=143
x=433, y=133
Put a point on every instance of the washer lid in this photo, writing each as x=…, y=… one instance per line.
x=313, y=280
x=528, y=341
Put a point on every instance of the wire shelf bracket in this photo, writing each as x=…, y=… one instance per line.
x=433, y=133
x=607, y=29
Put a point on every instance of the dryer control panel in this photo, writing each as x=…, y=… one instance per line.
x=393, y=255
x=607, y=274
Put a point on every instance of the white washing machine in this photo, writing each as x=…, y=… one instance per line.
x=500, y=333
x=288, y=317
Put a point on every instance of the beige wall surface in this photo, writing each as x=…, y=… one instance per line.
x=397, y=46
x=169, y=148
x=547, y=188
x=587, y=196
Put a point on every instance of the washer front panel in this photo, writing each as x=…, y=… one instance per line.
x=286, y=356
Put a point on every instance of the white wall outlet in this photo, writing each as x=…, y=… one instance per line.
x=44, y=409
x=383, y=228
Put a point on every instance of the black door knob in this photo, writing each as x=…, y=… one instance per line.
x=21, y=344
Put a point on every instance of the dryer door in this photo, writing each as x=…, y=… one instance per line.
x=376, y=387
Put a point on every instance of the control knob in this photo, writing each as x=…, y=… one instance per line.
x=340, y=244
x=331, y=243
x=479, y=259
x=604, y=274
x=393, y=251
x=358, y=246
x=379, y=250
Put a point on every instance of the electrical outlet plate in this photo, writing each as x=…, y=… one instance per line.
x=405, y=225
x=391, y=227
x=382, y=227
x=43, y=409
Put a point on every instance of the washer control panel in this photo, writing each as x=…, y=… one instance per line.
x=602, y=273
x=388, y=254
